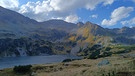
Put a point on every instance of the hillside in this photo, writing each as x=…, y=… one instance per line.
x=55, y=36
x=116, y=65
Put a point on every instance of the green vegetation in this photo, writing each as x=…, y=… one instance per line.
x=94, y=55
x=98, y=51
x=112, y=73
x=95, y=51
x=126, y=70
x=22, y=69
x=126, y=47
x=67, y=60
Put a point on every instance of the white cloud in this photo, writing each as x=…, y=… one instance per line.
x=128, y=22
x=72, y=18
x=94, y=16
x=108, y=2
x=48, y=9
x=64, y=5
x=11, y=4
x=117, y=15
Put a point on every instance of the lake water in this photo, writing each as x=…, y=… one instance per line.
x=8, y=62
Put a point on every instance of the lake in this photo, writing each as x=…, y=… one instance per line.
x=8, y=62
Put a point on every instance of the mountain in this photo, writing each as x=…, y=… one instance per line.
x=25, y=36
x=91, y=33
x=60, y=25
x=14, y=22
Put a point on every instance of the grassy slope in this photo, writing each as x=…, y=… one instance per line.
x=85, y=67
x=89, y=68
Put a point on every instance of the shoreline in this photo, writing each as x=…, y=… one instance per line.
x=83, y=67
x=9, y=62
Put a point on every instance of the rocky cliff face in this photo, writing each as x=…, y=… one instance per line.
x=30, y=47
x=23, y=47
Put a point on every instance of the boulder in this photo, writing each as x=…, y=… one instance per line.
x=103, y=62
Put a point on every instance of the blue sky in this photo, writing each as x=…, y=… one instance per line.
x=106, y=13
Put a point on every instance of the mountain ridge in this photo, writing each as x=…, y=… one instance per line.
x=58, y=33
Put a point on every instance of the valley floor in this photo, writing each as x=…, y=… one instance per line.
x=116, y=65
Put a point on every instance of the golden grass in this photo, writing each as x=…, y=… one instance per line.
x=84, y=67
x=72, y=38
x=88, y=67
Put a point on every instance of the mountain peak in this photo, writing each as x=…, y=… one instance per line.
x=1, y=7
x=125, y=27
x=88, y=23
x=80, y=24
x=92, y=25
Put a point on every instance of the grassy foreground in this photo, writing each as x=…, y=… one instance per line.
x=117, y=66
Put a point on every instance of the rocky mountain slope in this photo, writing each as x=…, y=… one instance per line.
x=20, y=35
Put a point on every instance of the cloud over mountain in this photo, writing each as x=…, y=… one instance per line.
x=63, y=9
x=104, y=12
x=128, y=22
x=11, y=4
x=42, y=10
x=117, y=15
